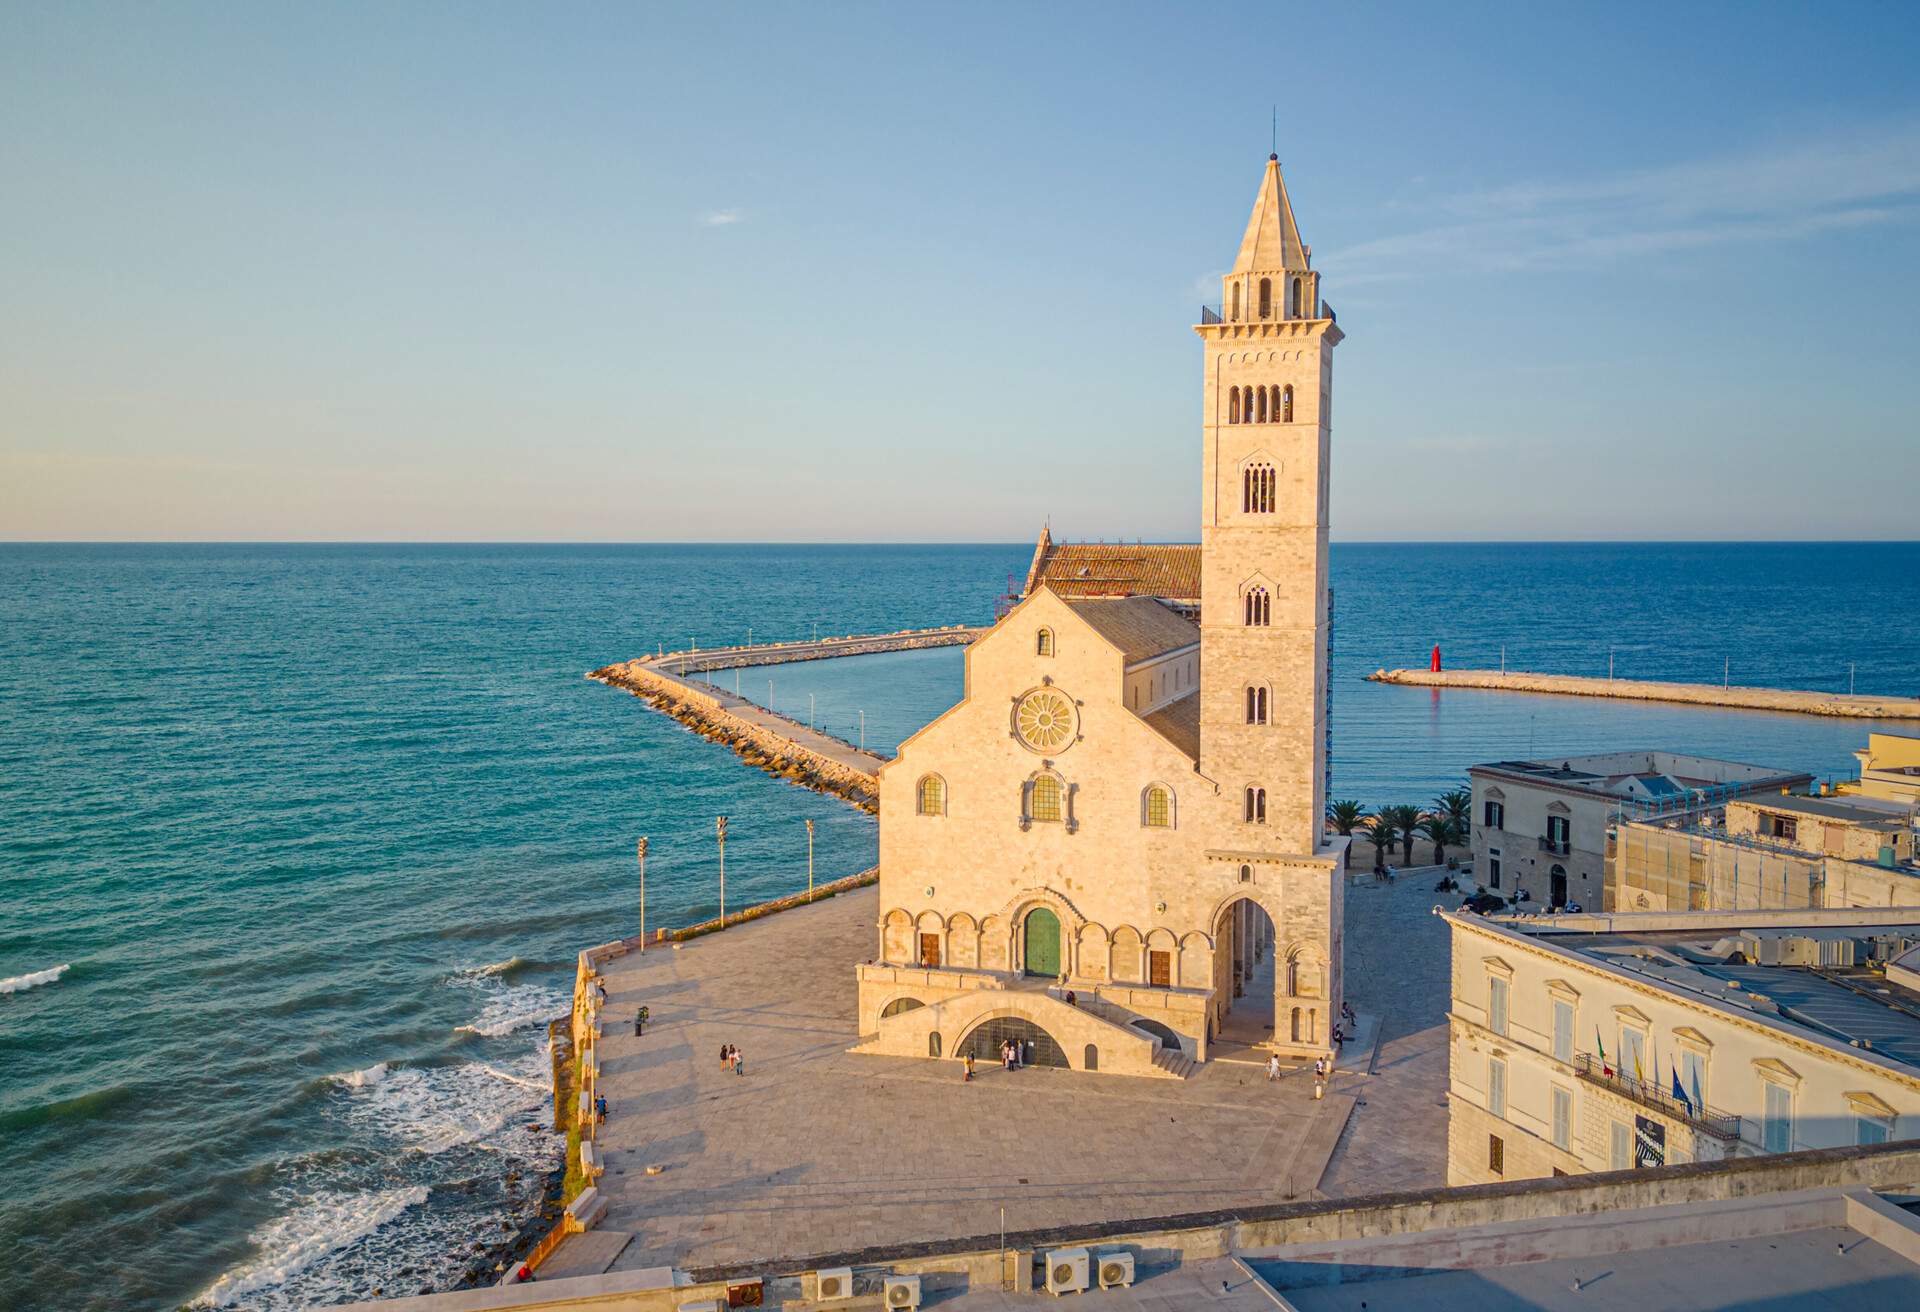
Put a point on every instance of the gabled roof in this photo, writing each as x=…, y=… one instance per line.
x=1179, y=723
x=1273, y=240
x=1140, y=627
x=1098, y=569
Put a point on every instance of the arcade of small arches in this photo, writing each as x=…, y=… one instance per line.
x=1260, y=404
x=1263, y=299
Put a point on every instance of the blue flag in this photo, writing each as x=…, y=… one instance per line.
x=1680, y=1091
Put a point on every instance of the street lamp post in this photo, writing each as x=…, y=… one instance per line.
x=643, y=895
x=720, y=828
x=809, y=860
x=769, y=694
x=863, y=731
x=809, y=710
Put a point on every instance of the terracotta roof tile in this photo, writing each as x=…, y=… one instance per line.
x=1096, y=569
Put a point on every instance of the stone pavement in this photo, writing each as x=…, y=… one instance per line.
x=816, y=1150
x=1399, y=968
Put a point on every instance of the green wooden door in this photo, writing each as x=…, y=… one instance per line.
x=1042, y=943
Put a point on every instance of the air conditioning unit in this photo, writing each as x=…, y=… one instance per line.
x=902, y=1292
x=1067, y=1270
x=832, y=1284
x=1116, y=1270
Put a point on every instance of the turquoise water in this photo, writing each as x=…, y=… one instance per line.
x=297, y=843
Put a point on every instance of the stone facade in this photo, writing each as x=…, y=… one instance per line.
x=1543, y=1056
x=1125, y=807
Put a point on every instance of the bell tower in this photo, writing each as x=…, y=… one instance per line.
x=1266, y=414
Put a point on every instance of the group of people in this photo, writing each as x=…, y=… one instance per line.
x=731, y=1060
x=1322, y=1066
x=1010, y=1059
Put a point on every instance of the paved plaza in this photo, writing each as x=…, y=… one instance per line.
x=816, y=1150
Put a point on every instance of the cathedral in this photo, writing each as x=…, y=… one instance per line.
x=1112, y=850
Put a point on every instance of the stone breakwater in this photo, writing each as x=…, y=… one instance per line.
x=783, y=748
x=1698, y=694
x=819, y=649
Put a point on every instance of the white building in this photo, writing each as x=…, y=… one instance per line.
x=1600, y=1042
x=1541, y=826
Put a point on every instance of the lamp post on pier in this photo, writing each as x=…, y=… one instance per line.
x=720, y=828
x=769, y=694
x=809, y=860
x=863, y=731
x=643, y=895
x=809, y=713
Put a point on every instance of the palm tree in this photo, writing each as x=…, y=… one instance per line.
x=1456, y=805
x=1381, y=831
x=1442, y=830
x=1346, y=816
x=1406, y=819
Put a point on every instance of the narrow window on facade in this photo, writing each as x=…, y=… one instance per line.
x=1620, y=1147
x=1246, y=874
x=1563, y=1119
x=1043, y=643
x=1256, y=706
x=1286, y=405
x=1262, y=403
x=1276, y=402
x=1776, y=1135
x=1159, y=807
x=1497, y=1086
x=1091, y=1058
x=1633, y=1053
x=1257, y=806
x=1870, y=1129
x=933, y=795
x=1559, y=835
x=1496, y=815
x=1693, y=1076
x=1236, y=302
x=1497, y=1005
x=1562, y=1030
x=933, y=1044
x=1266, y=298
x=1046, y=799
x=1233, y=405
x=1257, y=611
x=1496, y=1155
x=1493, y=870
x=1294, y=299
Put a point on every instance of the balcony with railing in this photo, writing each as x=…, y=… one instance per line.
x=1556, y=846
x=1590, y=1068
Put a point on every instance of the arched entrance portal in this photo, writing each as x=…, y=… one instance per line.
x=1246, y=979
x=1037, y=1047
x=1040, y=945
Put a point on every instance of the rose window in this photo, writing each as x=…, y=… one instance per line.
x=1045, y=720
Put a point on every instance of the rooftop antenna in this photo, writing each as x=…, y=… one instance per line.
x=1274, y=144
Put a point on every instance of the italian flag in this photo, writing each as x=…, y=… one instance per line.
x=1601, y=1044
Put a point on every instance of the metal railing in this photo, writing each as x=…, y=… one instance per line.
x=1592, y=1069
x=1557, y=846
x=1208, y=314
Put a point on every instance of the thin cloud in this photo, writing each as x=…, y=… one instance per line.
x=722, y=218
x=1786, y=193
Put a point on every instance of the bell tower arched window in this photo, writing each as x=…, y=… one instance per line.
x=1257, y=705
x=1293, y=311
x=1233, y=405
x=1257, y=489
x=1236, y=303
x=1257, y=608
x=1286, y=405
x=1261, y=404
x=1256, y=805
x=1266, y=298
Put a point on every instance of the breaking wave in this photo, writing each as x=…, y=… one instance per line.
x=325, y=1223
x=34, y=979
x=431, y=1109
x=512, y=1007
x=362, y=1078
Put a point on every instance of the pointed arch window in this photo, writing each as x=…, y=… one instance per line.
x=1257, y=608
x=1266, y=298
x=1159, y=807
x=1257, y=704
x=1256, y=805
x=1043, y=643
x=1286, y=405
x=1257, y=489
x=930, y=796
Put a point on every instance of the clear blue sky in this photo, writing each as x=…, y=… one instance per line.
x=863, y=272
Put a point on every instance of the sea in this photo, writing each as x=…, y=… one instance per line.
x=298, y=843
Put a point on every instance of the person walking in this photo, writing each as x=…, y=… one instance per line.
x=739, y=1062
x=1319, y=1078
x=726, y=1056
x=1273, y=1067
x=600, y=1106
x=967, y=1061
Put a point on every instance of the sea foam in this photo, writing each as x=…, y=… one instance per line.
x=21, y=983
x=323, y=1224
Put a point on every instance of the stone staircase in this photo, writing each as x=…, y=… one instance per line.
x=1176, y=1064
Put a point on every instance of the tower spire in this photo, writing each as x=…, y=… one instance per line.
x=1272, y=243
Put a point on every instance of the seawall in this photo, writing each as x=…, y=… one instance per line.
x=781, y=746
x=1697, y=694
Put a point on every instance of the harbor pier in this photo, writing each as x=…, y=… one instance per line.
x=1799, y=702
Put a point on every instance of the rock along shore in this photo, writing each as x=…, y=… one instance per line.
x=1698, y=694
